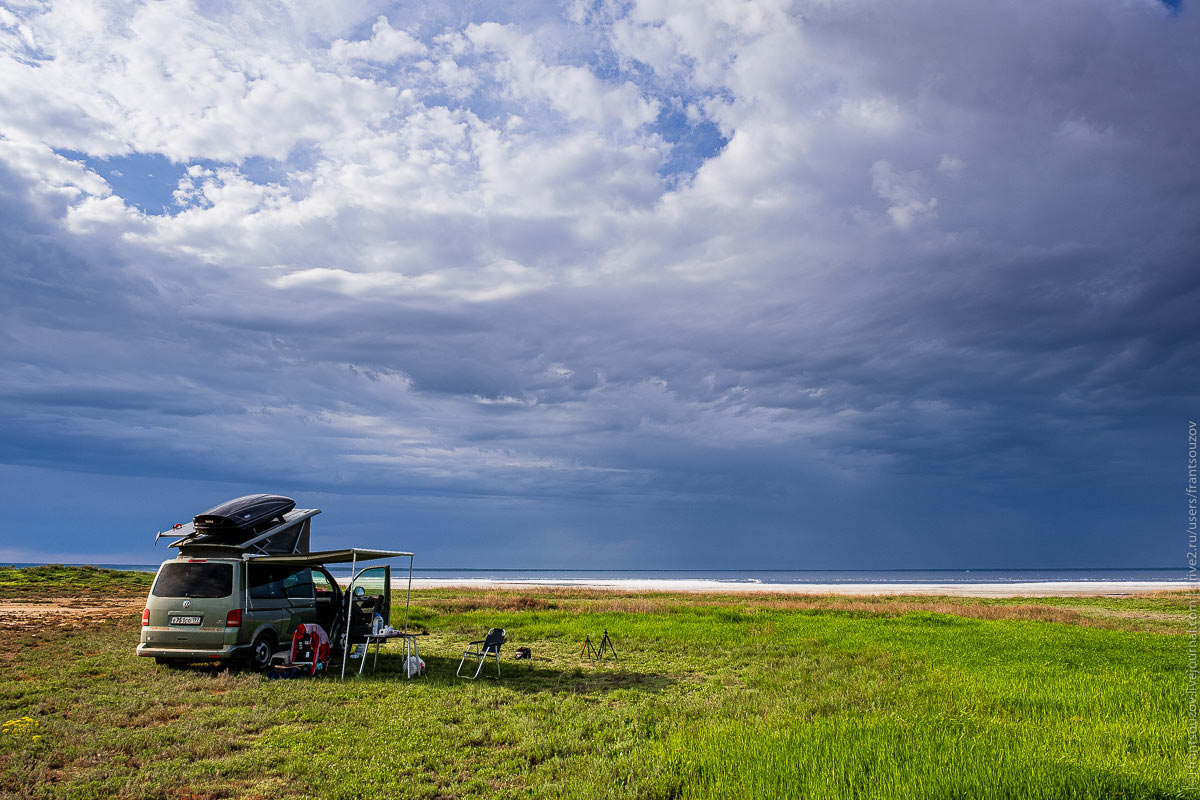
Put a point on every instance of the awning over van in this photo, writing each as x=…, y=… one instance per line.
x=352, y=555
x=331, y=556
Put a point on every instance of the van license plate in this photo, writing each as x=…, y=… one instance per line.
x=185, y=620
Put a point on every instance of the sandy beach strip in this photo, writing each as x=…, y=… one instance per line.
x=1029, y=589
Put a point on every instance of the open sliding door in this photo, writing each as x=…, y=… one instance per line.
x=370, y=594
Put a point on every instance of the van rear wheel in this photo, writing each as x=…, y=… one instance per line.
x=261, y=651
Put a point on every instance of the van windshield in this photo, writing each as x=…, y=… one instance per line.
x=194, y=579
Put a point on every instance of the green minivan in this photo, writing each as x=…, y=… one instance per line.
x=245, y=609
x=244, y=579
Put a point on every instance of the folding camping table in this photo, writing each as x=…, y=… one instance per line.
x=377, y=639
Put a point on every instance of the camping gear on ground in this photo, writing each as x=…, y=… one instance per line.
x=597, y=653
x=287, y=671
x=481, y=649
x=524, y=654
x=311, y=647
x=413, y=666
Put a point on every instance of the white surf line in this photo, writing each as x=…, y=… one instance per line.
x=1022, y=589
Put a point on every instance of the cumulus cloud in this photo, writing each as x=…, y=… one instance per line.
x=574, y=92
x=385, y=45
x=446, y=255
x=907, y=206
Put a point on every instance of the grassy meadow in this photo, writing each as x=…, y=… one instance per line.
x=56, y=580
x=713, y=696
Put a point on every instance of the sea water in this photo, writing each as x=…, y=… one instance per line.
x=809, y=576
x=784, y=576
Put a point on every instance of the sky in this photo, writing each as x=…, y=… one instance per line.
x=652, y=284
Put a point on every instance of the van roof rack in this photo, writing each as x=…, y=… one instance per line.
x=289, y=535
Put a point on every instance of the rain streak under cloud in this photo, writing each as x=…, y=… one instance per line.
x=661, y=284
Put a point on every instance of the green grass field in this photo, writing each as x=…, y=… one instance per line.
x=55, y=580
x=713, y=697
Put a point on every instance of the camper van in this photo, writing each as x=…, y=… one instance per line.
x=245, y=578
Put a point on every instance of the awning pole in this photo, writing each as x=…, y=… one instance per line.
x=346, y=625
x=408, y=599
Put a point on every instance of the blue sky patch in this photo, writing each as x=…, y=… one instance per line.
x=693, y=143
x=148, y=181
x=144, y=180
x=262, y=171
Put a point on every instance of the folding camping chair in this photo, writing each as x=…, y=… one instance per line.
x=489, y=645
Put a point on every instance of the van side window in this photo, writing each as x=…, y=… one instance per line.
x=266, y=581
x=298, y=585
x=280, y=581
x=322, y=585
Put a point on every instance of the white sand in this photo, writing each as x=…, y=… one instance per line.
x=1032, y=589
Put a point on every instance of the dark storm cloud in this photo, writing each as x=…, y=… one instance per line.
x=936, y=274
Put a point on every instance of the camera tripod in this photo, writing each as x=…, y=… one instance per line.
x=596, y=653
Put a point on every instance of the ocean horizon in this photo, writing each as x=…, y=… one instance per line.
x=771, y=576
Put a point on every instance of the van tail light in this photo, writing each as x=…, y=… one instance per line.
x=145, y=616
x=234, y=619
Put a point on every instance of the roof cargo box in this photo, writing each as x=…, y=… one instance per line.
x=254, y=525
x=243, y=515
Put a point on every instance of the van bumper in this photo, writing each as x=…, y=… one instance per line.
x=229, y=652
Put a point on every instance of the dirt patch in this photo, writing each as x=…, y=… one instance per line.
x=63, y=613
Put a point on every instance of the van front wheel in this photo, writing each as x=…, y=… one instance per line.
x=261, y=651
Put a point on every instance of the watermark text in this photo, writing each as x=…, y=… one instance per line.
x=1193, y=647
